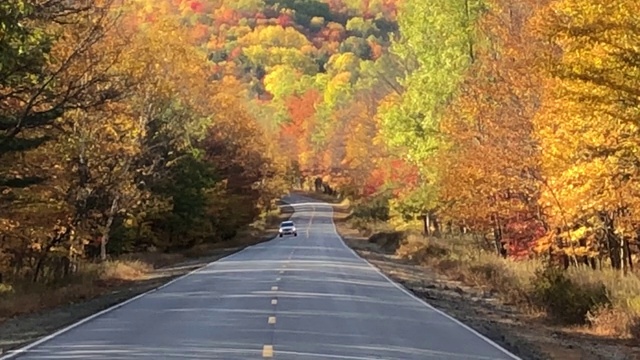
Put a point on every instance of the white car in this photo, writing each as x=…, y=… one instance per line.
x=288, y=228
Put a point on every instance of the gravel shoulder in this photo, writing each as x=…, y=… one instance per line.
x=527, y=336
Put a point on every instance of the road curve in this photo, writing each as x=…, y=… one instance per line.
x=306, y=297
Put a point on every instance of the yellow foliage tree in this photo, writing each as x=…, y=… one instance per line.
x=587, y=127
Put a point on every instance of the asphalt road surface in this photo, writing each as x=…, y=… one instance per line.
x=305, y=297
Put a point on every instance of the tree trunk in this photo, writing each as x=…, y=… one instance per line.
x=437, y=229
x=627, y=248
x=497, y=233
x=469, y=37
x=107, y=229
x=45, y=252
x=427, y=225
x=623, y=260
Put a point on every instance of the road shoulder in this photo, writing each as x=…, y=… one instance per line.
x=21, y=330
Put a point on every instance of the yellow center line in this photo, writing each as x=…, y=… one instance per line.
x=272, y=320
x=267, y=351
x=274, y=301
x=274, y=288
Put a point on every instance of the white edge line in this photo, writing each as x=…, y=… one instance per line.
x=422, y=301
x=16, y=352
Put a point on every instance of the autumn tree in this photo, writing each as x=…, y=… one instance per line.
x=433, y=54
x=587, y=126
x=39, y=95
x=490, y=170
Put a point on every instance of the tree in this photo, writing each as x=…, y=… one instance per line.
x=33, y=94
x=39, y=97
x=587, y=126
x=435, y=43
x=491, y=168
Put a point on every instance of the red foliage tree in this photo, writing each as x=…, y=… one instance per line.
x=284, y=20
x=235, y=53
x=520, y=235
x=402, y=172
x=197, y=6
x=295, y=135
x=375, y=182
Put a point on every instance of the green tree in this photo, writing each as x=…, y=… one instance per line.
x=434, y=45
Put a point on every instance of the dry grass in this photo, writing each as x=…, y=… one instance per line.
x=89, y=281
x=622, y=318
x=367, y=228
x=601, y=303
x=124, y=270
x=156, y=259
x=464, y=262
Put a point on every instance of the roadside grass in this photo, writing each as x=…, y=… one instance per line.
x=598, y=302
x=89, y=281
x=92, y=280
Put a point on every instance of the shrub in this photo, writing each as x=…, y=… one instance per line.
x=565, y=300
x=374, y=209
x=502, y=277
x=388, y=241
x=417, y=248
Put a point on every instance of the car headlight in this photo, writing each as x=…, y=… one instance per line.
x=293, y=229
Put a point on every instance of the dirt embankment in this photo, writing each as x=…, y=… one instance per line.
x=27, y=316
x=526, y=333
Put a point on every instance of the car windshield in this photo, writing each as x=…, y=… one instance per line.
x=287, y=223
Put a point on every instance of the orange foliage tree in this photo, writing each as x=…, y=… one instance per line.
x=491, y=167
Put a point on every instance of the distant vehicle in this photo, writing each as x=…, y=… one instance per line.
x=288, y=228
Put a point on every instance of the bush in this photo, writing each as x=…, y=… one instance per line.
x=501, y=277
x=564, y=299
x=416, y=247
x=374, y=209
x=617, y=322
x=388, y=241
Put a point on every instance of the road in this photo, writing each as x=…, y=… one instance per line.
x=306, y=297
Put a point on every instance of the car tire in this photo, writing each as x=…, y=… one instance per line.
x=280, y=235
x=295, y=234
